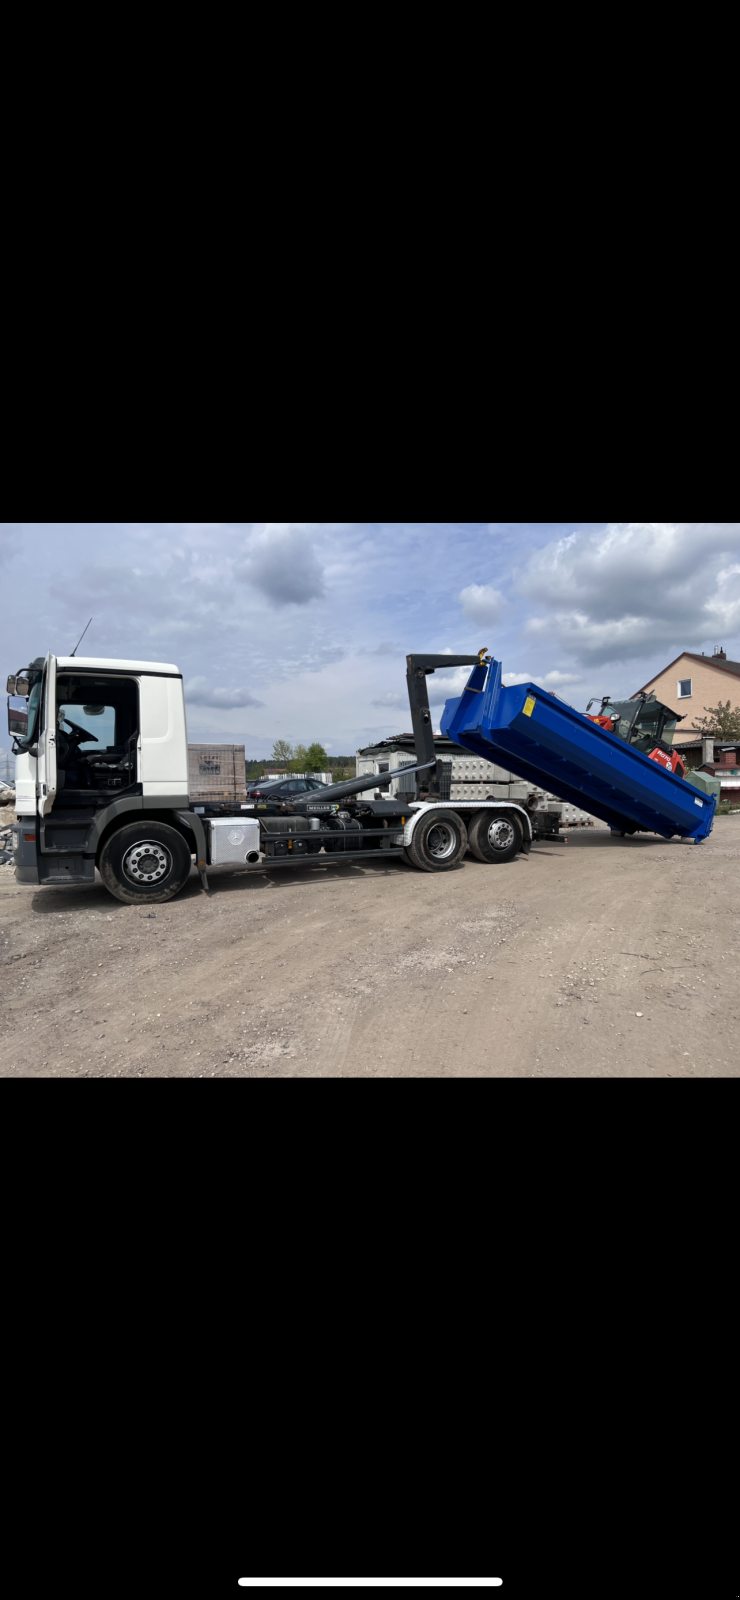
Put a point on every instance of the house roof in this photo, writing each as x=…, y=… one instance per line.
x=406, y=742
x=732, y=667
x=719, y=744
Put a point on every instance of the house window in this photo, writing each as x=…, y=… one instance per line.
x=684, y=688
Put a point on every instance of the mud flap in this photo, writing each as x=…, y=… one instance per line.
x=193, y=822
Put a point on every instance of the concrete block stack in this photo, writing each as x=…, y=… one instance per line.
x=475, y=779
x=570, y=815
x=463, y=777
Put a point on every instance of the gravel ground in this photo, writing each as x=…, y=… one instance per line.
x=595, y=958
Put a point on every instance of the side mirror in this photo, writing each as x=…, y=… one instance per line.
x=615, y=717
x=22, y=686
x=17, y=721
x=10, y=685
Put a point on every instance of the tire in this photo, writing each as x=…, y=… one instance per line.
x=124, y=859
x=439, y=842
x=495, y=836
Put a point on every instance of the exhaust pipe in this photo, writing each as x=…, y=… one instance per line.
x=252, y=857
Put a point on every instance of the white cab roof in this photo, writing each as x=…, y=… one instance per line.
x=65, y=662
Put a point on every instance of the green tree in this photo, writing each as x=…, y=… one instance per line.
x=282, y=752
x=300, y=759
x=721, y=722
x=317, y=759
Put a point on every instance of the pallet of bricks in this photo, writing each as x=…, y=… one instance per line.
x=217, y=772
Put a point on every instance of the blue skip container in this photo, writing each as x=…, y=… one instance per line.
x=541, y=739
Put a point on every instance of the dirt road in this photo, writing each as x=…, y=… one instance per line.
x=596, y=958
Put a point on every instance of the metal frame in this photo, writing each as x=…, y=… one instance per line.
x=331, y=860
x=419, y=668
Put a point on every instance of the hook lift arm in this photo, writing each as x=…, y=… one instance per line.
x=418, y=669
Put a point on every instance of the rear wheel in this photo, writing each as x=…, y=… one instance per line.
x=495, y=836
x=439, y=842
x=145, y=863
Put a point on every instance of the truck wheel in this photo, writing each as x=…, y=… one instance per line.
x=439, y=842
x=495, y=836
x=145, y=863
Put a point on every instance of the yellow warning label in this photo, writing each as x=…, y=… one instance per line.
x=529, y=706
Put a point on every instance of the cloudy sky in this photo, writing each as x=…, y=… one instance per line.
x=299, y=630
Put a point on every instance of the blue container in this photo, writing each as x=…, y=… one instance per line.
x=535, y=735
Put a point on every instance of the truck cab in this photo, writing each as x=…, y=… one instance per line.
x=98, y=743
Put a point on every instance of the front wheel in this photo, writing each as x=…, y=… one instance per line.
x=495, y=836
x=439, y=842
x=145, y=863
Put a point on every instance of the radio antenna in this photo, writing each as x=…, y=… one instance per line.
x=79, y=641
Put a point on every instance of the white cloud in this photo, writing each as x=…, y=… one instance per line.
x=200, y=692
x=552, y=680
x=635, y=589
x=481, y=603
x=282, y=564
x=391, y=701
x=385, y=648
x=556, y=679
x=444, y=686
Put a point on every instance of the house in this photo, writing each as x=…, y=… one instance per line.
x=720, y=759
x=690, y=684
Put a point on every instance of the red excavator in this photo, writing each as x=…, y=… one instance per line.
x=645, y=723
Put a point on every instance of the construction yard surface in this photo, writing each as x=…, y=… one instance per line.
x=597, y=958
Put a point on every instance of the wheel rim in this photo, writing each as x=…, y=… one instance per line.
x=501, y=834
x=441, y=841
x=147, y=862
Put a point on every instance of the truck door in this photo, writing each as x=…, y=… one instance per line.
x=47, y=758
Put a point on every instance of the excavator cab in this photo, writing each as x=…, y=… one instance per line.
x=647, y=724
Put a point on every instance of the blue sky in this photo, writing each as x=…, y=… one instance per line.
x=299, y=630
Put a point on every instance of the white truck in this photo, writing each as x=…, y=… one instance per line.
x=102, y=782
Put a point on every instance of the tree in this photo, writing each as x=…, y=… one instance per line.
x=300, y=759
x=722, y=722
x=317, y=759
x=282, y=752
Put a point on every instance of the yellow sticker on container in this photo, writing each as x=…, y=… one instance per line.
x=529, y=706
